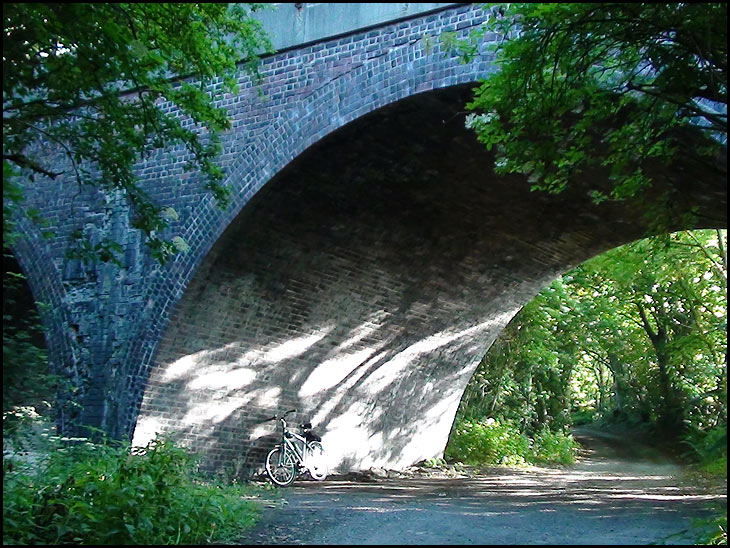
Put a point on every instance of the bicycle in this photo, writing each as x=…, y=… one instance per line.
x=295, y=454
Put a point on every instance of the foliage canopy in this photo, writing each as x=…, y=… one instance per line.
x=97, y=82
x=637, y=336
x=602, y=86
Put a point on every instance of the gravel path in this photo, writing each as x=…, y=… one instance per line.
x=618, y=493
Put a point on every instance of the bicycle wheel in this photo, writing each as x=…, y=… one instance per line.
x=317, y=461
x=281, y=468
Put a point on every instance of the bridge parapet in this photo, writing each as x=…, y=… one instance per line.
x=296, y=24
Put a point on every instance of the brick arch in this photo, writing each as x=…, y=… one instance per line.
x=362, y=285
x=372, y=106
x=46, y=286
x=338, y=89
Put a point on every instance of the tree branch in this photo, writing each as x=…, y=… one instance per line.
x=25, y=162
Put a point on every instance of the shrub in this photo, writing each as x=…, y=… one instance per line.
x=714, y=528
x=582, y=416
x=553, y=447
x=487, y=442
x=711, y=450
x=493, y=442
x=101, y=494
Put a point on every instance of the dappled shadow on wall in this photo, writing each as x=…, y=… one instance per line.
x=348, y=383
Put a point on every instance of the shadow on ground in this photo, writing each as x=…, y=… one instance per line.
x=605, y=498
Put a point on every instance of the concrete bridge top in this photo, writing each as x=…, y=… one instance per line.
x=296, y=24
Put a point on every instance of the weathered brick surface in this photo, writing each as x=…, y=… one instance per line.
x=367, y=262
x=362, y=286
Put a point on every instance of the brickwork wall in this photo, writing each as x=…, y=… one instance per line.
x=110, y=320
x=362, y=286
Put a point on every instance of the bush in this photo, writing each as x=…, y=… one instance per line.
x=715, y=528
x=710, y=453
x=711, y=450
x=553, y=447
x=581, y=417
x=100, y=494
x=493, y=442
x=487, y=442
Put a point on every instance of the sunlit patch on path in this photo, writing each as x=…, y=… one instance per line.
x=603, y=499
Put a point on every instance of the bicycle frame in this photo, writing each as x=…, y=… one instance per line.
x=287, y=443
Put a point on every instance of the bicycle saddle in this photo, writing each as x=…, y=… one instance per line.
x=308, y=434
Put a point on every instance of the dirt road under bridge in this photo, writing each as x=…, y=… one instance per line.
x=620, y=492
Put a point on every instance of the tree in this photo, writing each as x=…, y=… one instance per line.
x=94, y=79
x=638, y=334
x=524, y=376
x=97, y=82
x=671, y=293
x=612, y=86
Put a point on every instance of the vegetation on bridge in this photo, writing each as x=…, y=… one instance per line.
x=108, y=85
x=637, y=336
x=97, y=83
x=612, y=87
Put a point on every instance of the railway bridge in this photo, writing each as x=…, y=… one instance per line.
x=368, y=260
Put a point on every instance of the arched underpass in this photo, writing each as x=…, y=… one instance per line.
x=363, y=285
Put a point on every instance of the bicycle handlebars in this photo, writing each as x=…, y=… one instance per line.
x=280, y=417
x=305, y=426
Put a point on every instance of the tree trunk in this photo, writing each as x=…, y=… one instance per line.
x=670, y=412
